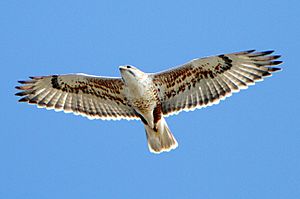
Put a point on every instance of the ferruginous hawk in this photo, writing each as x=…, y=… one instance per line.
x=151, y=96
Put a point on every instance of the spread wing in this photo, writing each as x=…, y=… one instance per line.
x=206, y=81
x=90, y=96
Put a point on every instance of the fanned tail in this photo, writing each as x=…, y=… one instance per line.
x=162, y=139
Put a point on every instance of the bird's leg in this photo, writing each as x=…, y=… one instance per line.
x=157, y=114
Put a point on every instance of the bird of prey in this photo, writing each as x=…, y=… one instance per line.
x=150, y=97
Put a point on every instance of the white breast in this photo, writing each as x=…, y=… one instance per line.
x=141, y=95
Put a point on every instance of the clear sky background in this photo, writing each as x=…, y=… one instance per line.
x=246, y=147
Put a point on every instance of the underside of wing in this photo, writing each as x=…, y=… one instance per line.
x=205, y=81
x=90, y=96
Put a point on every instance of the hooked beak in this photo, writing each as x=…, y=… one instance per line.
x=122, y=67
x=125, y=68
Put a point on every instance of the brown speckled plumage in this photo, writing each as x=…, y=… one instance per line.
x=205, y=81
x=90, y=96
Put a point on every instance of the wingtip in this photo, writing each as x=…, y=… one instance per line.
x=261, y=53
x=22, y=82
x=267, y=52
x=245, y=52
x=276, y=62
x=26, y=81
x=275, y=69
x=36, y=77
x=20, y=94
x=276, y=56
x=24, y=99
x=250, y=51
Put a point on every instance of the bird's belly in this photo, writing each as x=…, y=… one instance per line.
x=143, y=101
x=143, y=105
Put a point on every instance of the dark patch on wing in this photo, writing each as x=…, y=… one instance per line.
x=178, y=76
x=221, y=68
x=212, y=76
x=104, y=89
x=54, y=82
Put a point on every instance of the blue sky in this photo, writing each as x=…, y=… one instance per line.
x=245, y=147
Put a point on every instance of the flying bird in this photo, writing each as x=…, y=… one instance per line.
x=150, y=97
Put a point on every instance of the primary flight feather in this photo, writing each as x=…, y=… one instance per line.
x=151, y=96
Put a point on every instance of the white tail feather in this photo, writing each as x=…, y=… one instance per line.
x=162, y=140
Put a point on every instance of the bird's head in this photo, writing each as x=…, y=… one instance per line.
x=131, y=74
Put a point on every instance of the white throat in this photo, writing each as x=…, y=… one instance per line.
x=137, y=82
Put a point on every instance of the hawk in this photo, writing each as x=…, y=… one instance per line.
x=150, y=97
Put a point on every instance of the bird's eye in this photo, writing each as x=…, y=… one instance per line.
x=128, y=66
